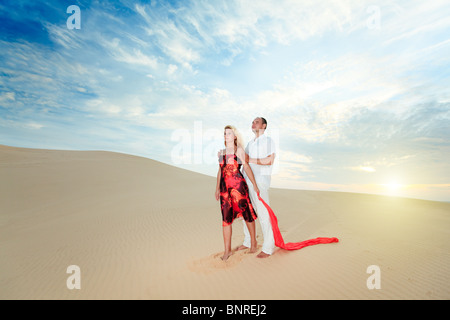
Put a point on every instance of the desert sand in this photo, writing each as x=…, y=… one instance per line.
x=141, y=229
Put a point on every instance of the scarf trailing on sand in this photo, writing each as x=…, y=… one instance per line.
x=279, y=242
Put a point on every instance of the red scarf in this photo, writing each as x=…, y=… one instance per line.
x=279, y=242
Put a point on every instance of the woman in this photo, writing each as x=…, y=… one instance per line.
x=232, y=190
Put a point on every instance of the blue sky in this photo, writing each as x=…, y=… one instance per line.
x=355, y=92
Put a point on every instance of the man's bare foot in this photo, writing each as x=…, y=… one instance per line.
x=263, y=255
x=226, y=256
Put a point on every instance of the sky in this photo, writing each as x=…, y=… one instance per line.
x=355, y=93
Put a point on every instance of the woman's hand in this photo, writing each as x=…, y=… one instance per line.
x=217, y=194
x=256, y=189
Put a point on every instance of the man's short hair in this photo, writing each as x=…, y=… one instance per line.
x=264, y=121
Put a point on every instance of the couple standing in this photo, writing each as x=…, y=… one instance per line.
x=238, y=192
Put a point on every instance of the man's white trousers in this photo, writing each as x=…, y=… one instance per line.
x=264, y=220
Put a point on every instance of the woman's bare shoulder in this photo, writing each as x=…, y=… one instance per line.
x=240, y=152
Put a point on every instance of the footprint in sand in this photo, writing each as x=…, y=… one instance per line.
x=215, y=263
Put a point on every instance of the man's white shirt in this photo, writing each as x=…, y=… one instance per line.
x=259, y=148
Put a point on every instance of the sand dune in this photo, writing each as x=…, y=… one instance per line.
x=141, y=229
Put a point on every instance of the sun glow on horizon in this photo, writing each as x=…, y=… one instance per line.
x=393, y=187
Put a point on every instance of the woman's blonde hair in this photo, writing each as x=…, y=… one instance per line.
x=238, y=141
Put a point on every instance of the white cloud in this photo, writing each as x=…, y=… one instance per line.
x=363, y=168
x=292, y=156
x=36, y=126
x=171, y=69
x=190, y=32
x=7, y=96
x=406, y=20
x=63, y=36
x=135, y=58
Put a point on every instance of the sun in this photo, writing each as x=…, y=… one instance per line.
x=394, y=186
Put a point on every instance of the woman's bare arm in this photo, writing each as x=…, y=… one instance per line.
x=241, y=155
x=218, y=179
x=217, y=193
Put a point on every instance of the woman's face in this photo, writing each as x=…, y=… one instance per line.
x=229, y=136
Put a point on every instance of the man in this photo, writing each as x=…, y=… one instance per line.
x=260, y=154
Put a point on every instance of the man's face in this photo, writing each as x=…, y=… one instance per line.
x=257, y=125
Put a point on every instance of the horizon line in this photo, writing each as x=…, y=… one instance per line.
x=211, y=176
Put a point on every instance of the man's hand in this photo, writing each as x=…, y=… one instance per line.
x=256, y=190
x=263, y=161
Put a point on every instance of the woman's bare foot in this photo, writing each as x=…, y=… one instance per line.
x=226, y=255
x=241, y=247
x=253, y=249
x=263, y=255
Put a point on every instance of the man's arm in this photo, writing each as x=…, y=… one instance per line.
x=267, y=161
